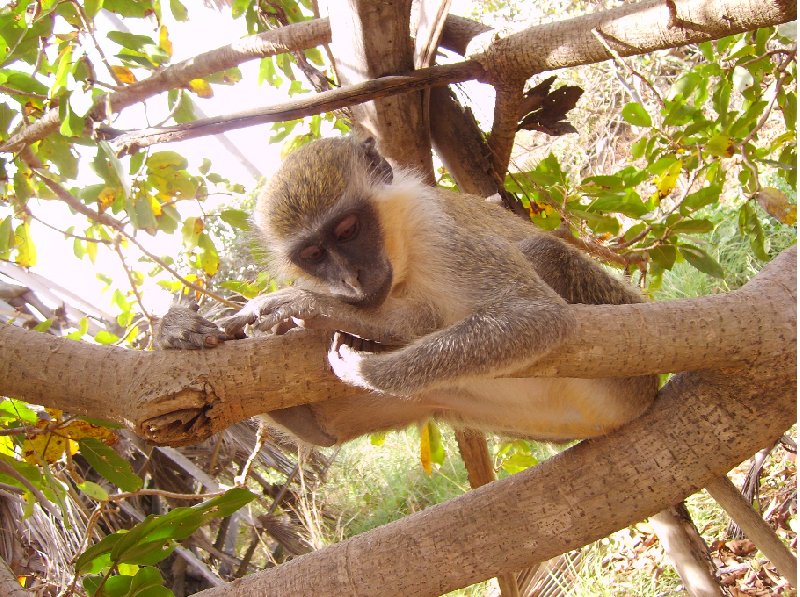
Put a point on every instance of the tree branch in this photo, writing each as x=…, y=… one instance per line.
x=181, y=397
x=359, y=93
x=568, y=501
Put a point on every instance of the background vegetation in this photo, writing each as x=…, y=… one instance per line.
x=677, y=168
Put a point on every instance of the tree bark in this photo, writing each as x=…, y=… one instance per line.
x=630, y=29
x=687, y=551
x=373, y=39
x=179, y=397
x=755, y=528
x=703, y=424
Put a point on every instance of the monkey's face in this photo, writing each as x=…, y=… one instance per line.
x=345, y=253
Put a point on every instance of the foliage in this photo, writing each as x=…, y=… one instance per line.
x=725, y=125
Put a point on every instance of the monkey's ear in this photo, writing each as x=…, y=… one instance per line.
x=379, y=168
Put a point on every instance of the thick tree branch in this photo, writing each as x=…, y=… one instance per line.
x=184, y=396
x=577, y=497
x=630, y=29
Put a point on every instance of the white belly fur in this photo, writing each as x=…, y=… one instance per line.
x=541, y=408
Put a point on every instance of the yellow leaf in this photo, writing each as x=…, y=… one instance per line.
x=45, y=447
x=163, y=40
x=425, y=448
x=106, y=198
x=201, y=87
x=123, y=74
x=155, y=206
x=76, y=430
x=666, y=181
x=777, y=204
x=198, y=225
x=26, y=250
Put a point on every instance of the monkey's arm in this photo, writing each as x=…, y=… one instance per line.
x=515, y=329
x=397, y=321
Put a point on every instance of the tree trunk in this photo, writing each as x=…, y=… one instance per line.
x=373, y=39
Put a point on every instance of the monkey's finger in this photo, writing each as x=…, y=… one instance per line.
x=234, y=325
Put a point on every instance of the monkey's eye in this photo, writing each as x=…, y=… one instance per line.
x=312, y=254
x=347, y=229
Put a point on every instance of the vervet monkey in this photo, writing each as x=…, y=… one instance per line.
x=463, y=290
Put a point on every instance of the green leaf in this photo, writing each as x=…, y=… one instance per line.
x=635, y=114
x=72, y=125
x=693, y=226
x=178, y=10
x=109, y=464
x=209, y=258
x=92, y=7
x=11, y=408
x=150, y=541
x=236, y=218
x=6, y=235
x=166, y=159
x=191, y=230
x=93, y=490
x=518, y=462
x=628, y=203
x=750, y=227
x=699, y=199
x=104, y=337
x=701, y=260
x=98, y=555
x=663, y=256
x=131, y=41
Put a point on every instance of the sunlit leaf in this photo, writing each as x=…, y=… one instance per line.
x=236, y=218
x=209, y=257
x=163, y=40
x=123, y=74
x=777, y=204
x=93, y=490
x=635, y=114
x=26, y=249
x=201, y=88
x=721, y=146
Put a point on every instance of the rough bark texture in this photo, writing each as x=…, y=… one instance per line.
x=369, y=40
x=755, y=528
x=686, y=551
x=185, y=396
x=631, y=29
x=703, y=424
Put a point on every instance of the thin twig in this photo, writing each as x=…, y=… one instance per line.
x=601, y=37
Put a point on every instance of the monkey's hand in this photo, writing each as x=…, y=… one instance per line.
x=268, y=310
x=183, y=328
x=355, y=361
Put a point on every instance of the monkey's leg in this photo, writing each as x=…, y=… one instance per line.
x=336, y=421
x=573, y=275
